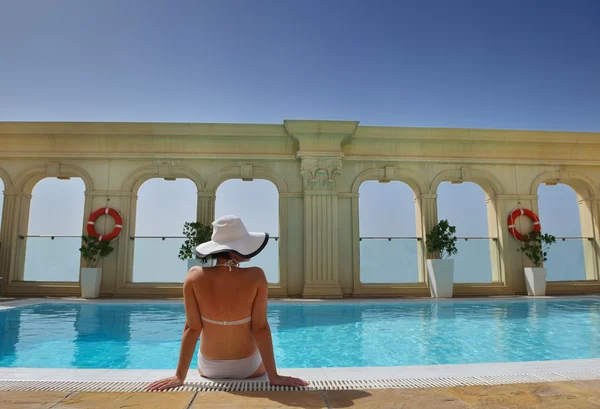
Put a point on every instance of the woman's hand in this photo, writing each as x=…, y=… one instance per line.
x=287, y=381
x=166, y=383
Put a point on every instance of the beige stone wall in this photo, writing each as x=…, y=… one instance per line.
x=317, y=167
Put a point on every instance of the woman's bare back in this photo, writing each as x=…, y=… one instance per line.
x=224, y=295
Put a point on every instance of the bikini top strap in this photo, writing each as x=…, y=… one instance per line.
x=242, y=321
x=229, y=264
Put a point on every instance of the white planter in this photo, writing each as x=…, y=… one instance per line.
x=535, y=277
x=90, y=282
x=193, y=262
x=441, y=278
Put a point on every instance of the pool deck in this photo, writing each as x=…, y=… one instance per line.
x=555, y=395
x=548, y=384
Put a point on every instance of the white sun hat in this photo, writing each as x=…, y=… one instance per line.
x=230, y=234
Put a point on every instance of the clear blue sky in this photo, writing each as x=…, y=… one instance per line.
x=529, y=64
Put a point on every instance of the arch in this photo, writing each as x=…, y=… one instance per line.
x=242, y=198
x=235, y=172
x=27, y=180
x=6, y=181
x=157, y=218
x=581, y=184
x=135, y=179
x=565, y=215
x=467, y=206
x=408, y=176
x=490, y=184
x=388, y=223
x=56, y=209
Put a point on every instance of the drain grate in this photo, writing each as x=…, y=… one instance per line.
x=263, y=386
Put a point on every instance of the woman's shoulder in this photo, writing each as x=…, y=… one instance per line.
x=194, y=274
x=255, y=273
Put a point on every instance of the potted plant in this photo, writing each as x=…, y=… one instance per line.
x=441, y=243
x=535, y=246
x=92, y=251
x=196, y=233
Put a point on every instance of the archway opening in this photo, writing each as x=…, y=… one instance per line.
x=1, y=202
x=163, y=206
x=571, y=258
x=256, y=202
x=389, y=249
x=54, y=230
x=464, y=206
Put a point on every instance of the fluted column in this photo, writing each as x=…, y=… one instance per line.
x=9, y=237
x=429, y=217
x=321, y=226
x=206, y=208
x=588, y=212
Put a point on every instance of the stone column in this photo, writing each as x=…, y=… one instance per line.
x=9, y=237
x=429, y=217
x=510, y=261
x=321, y=226
x=595, y=204
x=114, y=267
x=588, y=211
x=206, y=208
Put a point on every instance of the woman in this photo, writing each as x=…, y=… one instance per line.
x=226, y=306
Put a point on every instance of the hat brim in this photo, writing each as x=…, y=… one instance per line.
x=247, y=247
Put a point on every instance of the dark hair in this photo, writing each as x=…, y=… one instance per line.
x=215, y=256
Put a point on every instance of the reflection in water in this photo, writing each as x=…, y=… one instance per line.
x=9, y=337
x=290, y=317
x=148, y=336
x=96, y=328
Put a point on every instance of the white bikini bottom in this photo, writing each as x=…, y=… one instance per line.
x=229, y=368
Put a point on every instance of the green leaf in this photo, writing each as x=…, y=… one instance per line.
x=441, y=240
x=195, y=233
x=535, y=245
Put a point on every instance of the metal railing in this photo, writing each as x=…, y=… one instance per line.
x=276, y=238
x=50, y=236
x=390, y=238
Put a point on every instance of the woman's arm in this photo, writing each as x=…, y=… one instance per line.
x=191, y=333
x=262, y=334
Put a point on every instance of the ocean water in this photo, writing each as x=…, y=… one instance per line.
x=147, y=336
x=382, y=261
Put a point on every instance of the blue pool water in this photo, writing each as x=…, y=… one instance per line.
x=147, y=336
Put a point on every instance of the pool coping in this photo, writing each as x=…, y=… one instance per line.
x=23, y=302
x=421, y=376
x=393, y=377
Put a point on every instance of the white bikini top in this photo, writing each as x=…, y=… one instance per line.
x=242, y=321
x=228, y=263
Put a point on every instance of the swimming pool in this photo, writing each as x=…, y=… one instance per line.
x=147, y=336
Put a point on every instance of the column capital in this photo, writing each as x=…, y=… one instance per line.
x=428, y=196
x=320, y=172
x=206, y=194
x=16, y=193
x=348, y=195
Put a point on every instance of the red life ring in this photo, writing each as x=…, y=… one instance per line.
x=537, y=226
x=109, y=211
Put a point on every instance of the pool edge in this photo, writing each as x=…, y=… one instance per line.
x=432, y=376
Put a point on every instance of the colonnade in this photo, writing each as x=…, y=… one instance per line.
x=317, y=167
